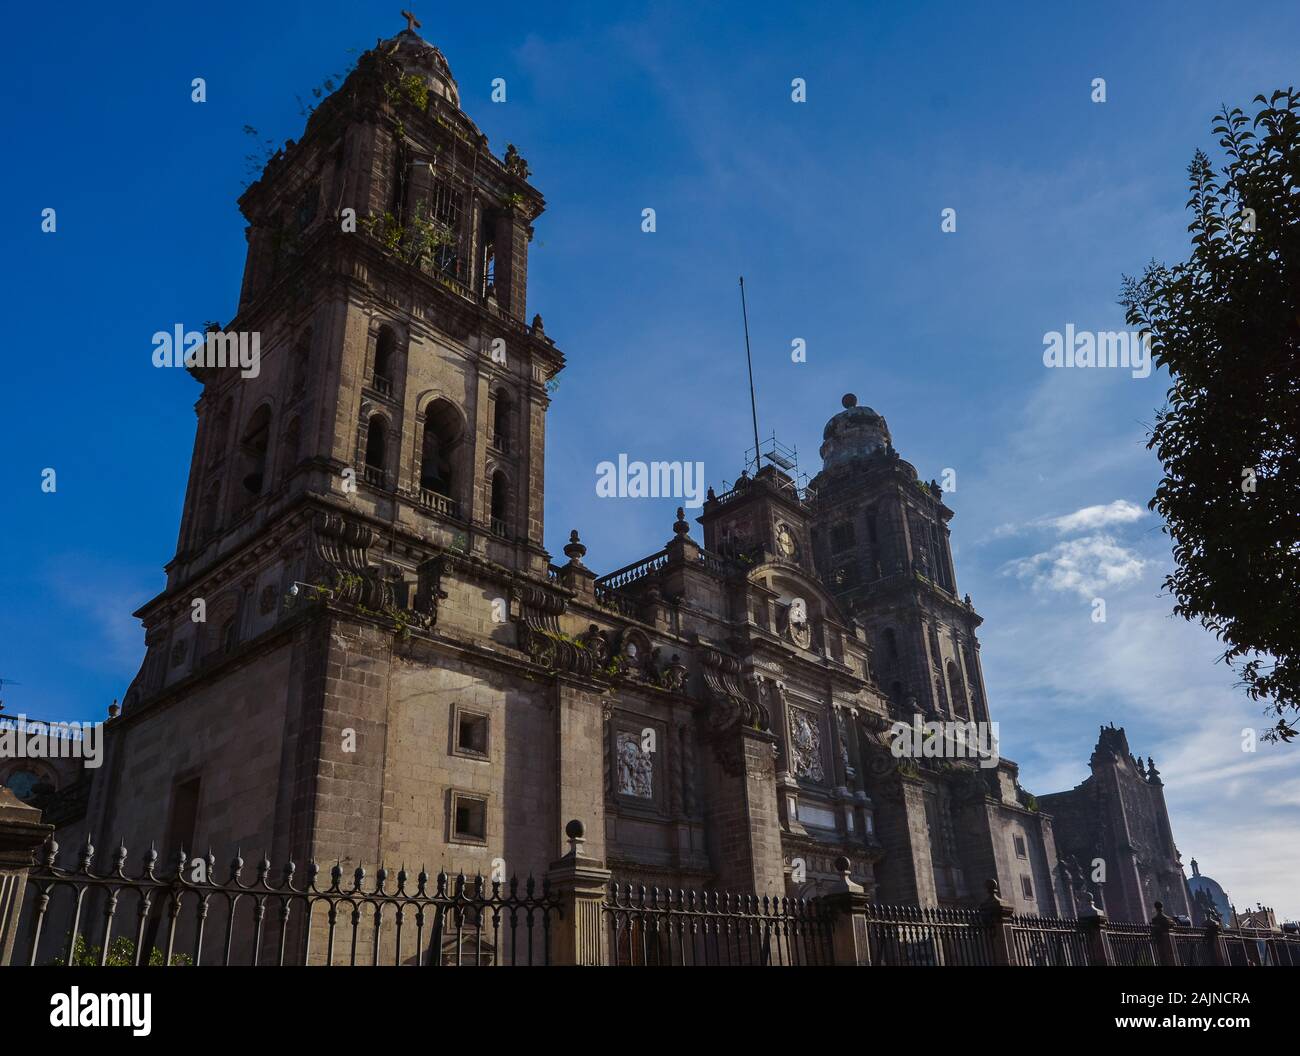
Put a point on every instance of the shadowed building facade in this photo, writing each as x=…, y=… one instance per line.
x=363, y=650
x=1117, y=818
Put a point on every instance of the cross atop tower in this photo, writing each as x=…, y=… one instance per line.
x=412, y=23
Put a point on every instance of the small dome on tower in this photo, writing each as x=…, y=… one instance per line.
x=855, y=432
x=421, y=58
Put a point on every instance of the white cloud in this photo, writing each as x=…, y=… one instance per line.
x=1090, y=518
x=1087, y=566
x=1085, y=519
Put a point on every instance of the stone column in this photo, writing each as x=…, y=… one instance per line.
x=21, y=834
x=579, y=936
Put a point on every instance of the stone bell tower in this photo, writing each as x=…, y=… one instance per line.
x=386, y=275
x=393, y=434
x=881, y=545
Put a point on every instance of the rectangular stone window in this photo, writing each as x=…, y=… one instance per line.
x=470, y=734
x=1026, y=888
x=184, y=816
x=1020, y=847
x=842, y=537
x=468, y=818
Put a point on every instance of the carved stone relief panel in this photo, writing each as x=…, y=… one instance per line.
x=806, y=745
x=635, y=765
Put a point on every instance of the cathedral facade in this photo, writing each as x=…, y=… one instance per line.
x=388, y=666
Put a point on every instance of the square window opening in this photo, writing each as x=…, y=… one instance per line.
x=472, y=733
x=469, y=819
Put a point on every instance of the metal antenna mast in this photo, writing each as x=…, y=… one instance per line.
x=753, y=406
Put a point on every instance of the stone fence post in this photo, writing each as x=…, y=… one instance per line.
x=21, y=834
x=581, y=883
x=1092, y=922
x=1214, y=942
x=1161, y=925
x=997, y=914
x=847, y=903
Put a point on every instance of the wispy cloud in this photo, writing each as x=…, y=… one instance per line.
x=103, y=596
x=1090, y=518
x=1086, y=566
x=1085, y=519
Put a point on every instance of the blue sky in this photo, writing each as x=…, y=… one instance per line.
x=831, y=209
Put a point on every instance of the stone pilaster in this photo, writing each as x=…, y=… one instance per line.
x=580, y=764
x=743, y=813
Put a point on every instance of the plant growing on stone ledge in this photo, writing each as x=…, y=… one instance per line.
x=415, y=245
x=408, y=88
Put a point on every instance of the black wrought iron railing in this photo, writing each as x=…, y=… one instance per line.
x=1131, y=945
x=680, y=928
x=79, y=917
x=923, y=936
x=1048, y=941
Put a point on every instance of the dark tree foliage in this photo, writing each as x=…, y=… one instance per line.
x=1226, y=324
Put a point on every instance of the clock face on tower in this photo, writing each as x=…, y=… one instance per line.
x=786, y=544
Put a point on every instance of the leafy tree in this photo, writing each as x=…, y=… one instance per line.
x=121, y=954
x=1226, y=324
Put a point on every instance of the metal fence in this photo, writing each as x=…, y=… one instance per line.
x=1132, y=945
x=1251, y=946
x=1048, y=941
x=1190, y=946
x=713, y=928
x=921, y=936
x=79, y=917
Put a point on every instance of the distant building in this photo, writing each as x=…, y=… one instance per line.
x=1115, y=825
x=1261, y=917
x=1207, y=895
